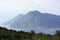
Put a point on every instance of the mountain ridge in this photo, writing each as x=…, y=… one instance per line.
x=35, y=20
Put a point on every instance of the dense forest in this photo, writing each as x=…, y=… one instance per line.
x=6, y=34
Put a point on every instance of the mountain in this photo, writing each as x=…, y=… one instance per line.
x=34, y=20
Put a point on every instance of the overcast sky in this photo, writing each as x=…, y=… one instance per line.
x=11, y=8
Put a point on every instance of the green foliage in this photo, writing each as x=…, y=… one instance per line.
x=57, y=35
x=6, y=34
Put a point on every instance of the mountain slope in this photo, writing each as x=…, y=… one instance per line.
x=13, y=19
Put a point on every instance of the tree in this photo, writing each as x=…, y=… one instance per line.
x=32, y=32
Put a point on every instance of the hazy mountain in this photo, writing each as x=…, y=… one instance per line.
x=34, y=20
x=9, y=22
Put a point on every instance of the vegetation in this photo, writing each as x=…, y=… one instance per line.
x=6, y=34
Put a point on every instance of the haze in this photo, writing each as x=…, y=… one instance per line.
x=11, y=8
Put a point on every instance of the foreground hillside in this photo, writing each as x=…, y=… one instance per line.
x=6, y=34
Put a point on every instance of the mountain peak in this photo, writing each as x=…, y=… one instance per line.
x=36, y=12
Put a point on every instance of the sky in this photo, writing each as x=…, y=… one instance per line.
x=11, y=8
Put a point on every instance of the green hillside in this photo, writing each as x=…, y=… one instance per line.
x=6, y=34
